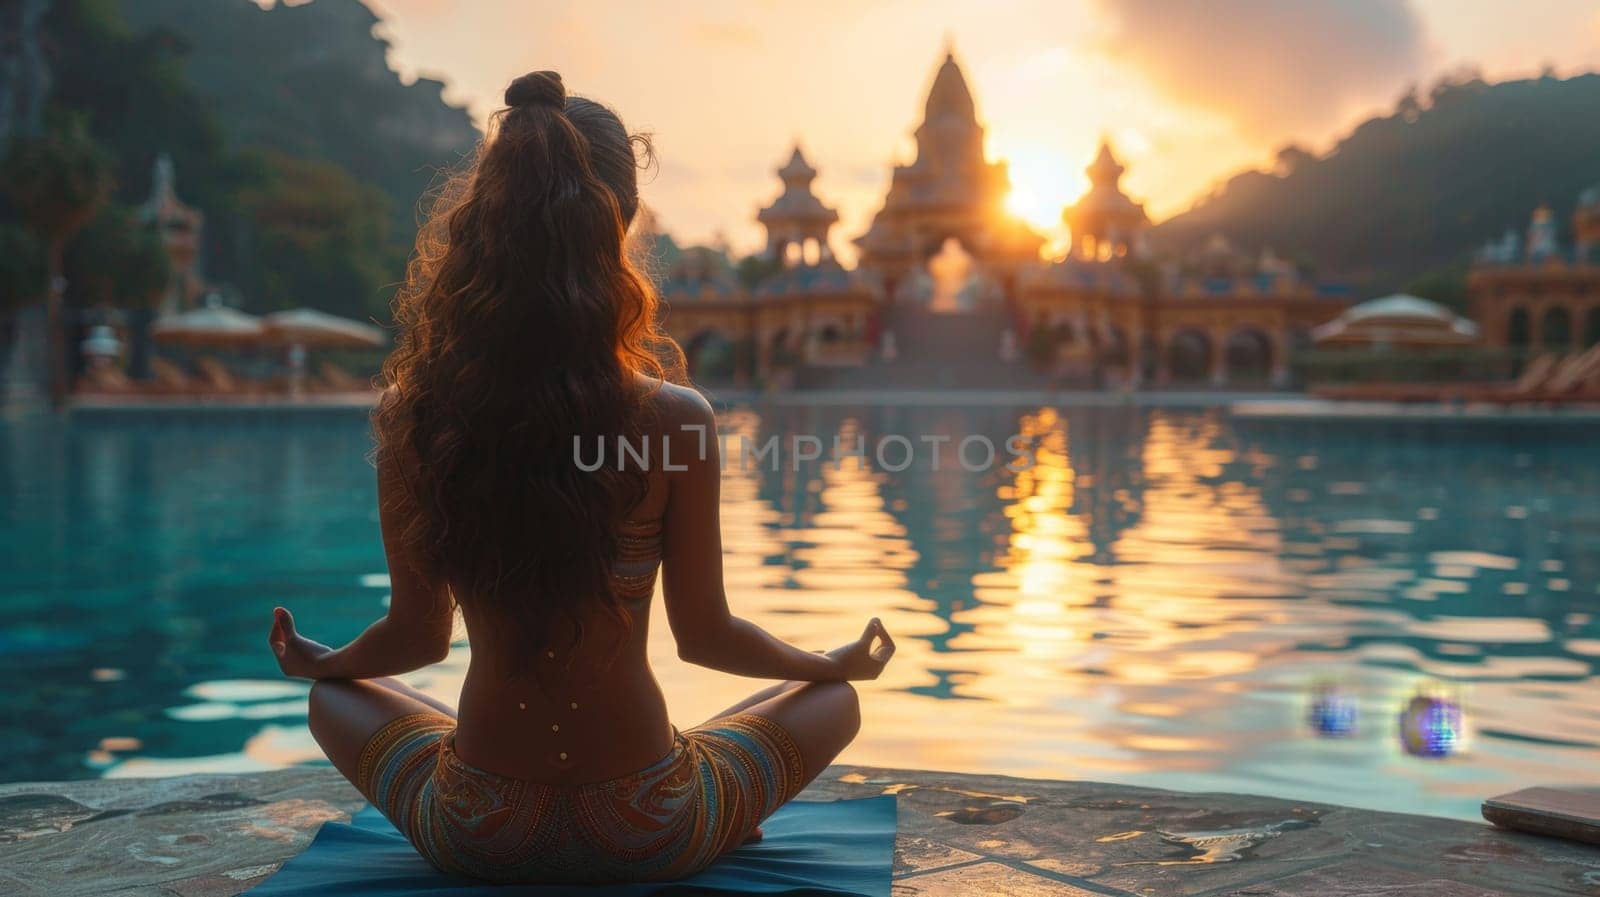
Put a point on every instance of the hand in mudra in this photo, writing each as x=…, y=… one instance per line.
x=859, y=659
x=297, y=655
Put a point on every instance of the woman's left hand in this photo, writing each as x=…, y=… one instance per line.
x=297, y=655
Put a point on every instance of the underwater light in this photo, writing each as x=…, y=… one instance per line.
x=1332, y=713
x=1430, y=726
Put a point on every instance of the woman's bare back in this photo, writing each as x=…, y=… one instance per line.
x=594, y=712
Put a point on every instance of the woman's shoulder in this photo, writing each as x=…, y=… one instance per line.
x=674, y=407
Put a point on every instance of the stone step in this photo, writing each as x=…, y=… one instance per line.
x=217, y=835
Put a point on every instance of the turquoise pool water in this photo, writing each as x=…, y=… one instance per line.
x=1169, y=597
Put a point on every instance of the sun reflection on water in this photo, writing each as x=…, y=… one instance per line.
x=1159, y=597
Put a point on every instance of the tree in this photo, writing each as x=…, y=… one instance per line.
x=22, y=270
x=117, y=262
x=1446, y=286
x=318, y=236
x=57, y=182
x=754, y=270
x=313, y=80
x=131, y=86
x=1415, y=191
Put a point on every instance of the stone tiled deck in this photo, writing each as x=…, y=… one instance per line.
x=200, y=836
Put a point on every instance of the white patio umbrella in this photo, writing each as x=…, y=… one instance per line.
x=1398, y=320
x=304, y=328
x=211, y=325
x=311, y=328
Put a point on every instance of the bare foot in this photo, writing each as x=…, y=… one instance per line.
x=754, y=836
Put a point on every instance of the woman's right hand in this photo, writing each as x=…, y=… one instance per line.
x=860, y=660
x=298, y=656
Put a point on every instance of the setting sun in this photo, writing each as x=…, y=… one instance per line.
x=1043, y=183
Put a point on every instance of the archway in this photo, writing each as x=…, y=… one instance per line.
x=1300, y=339
x=780, y=349
x=1115, y=353
x=1517, y=328
x=952, y=276
x=1064, y=334
x=1556, y=329
x=1189, y=356
x=710, y=355
x=1248, y=356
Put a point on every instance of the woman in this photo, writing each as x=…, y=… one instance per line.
x=527, y=335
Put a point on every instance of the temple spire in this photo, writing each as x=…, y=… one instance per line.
x=797, y=222
x=949, y=95
x=1104, y=222
x=180, y=227
x=798, y=171
x=949, y=190
x=1105, y=170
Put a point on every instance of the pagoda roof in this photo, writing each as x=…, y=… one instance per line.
x=949, y=94
x=797, y=205
x=1105, y=169
x=797, y=202
x=1104, y=197
x=797, y=168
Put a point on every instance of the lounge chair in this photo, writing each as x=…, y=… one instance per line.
x=1532, y=379
x=1573, y=374
x=216, y=378
x=1564, y=382
x=106, y=380
x=169, y=378
x=337, y=379
x=1535, y=377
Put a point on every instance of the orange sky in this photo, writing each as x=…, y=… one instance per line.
x=1190, y=90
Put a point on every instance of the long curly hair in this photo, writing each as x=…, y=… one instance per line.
x=524, y=325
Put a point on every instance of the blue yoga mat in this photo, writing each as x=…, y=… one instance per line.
x=809, y=847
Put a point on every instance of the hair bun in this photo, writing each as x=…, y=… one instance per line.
x=537, y=89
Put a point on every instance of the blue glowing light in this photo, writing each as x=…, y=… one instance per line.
x=1430, y=727
x=1332, y=713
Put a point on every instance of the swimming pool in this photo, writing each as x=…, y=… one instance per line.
x=1168, y=597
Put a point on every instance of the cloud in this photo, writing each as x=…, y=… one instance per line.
x=1274, y=67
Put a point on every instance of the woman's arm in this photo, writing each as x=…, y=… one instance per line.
x=708, y=634
x=414, y=633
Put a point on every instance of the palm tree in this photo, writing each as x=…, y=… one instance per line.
x=57, y=181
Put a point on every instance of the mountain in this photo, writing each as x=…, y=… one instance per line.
x=1414, y=192
x=313, y=81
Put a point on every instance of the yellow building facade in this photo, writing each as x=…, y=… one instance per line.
x=943, y=243
x=1537, y=293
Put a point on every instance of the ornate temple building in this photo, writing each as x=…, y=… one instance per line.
x=804, y=308
x=1531, y=291
x=797, y=222
x=180, y=227
x=950, y=288
x=1105, y=224
x=1217, y=317
x=950, y=192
